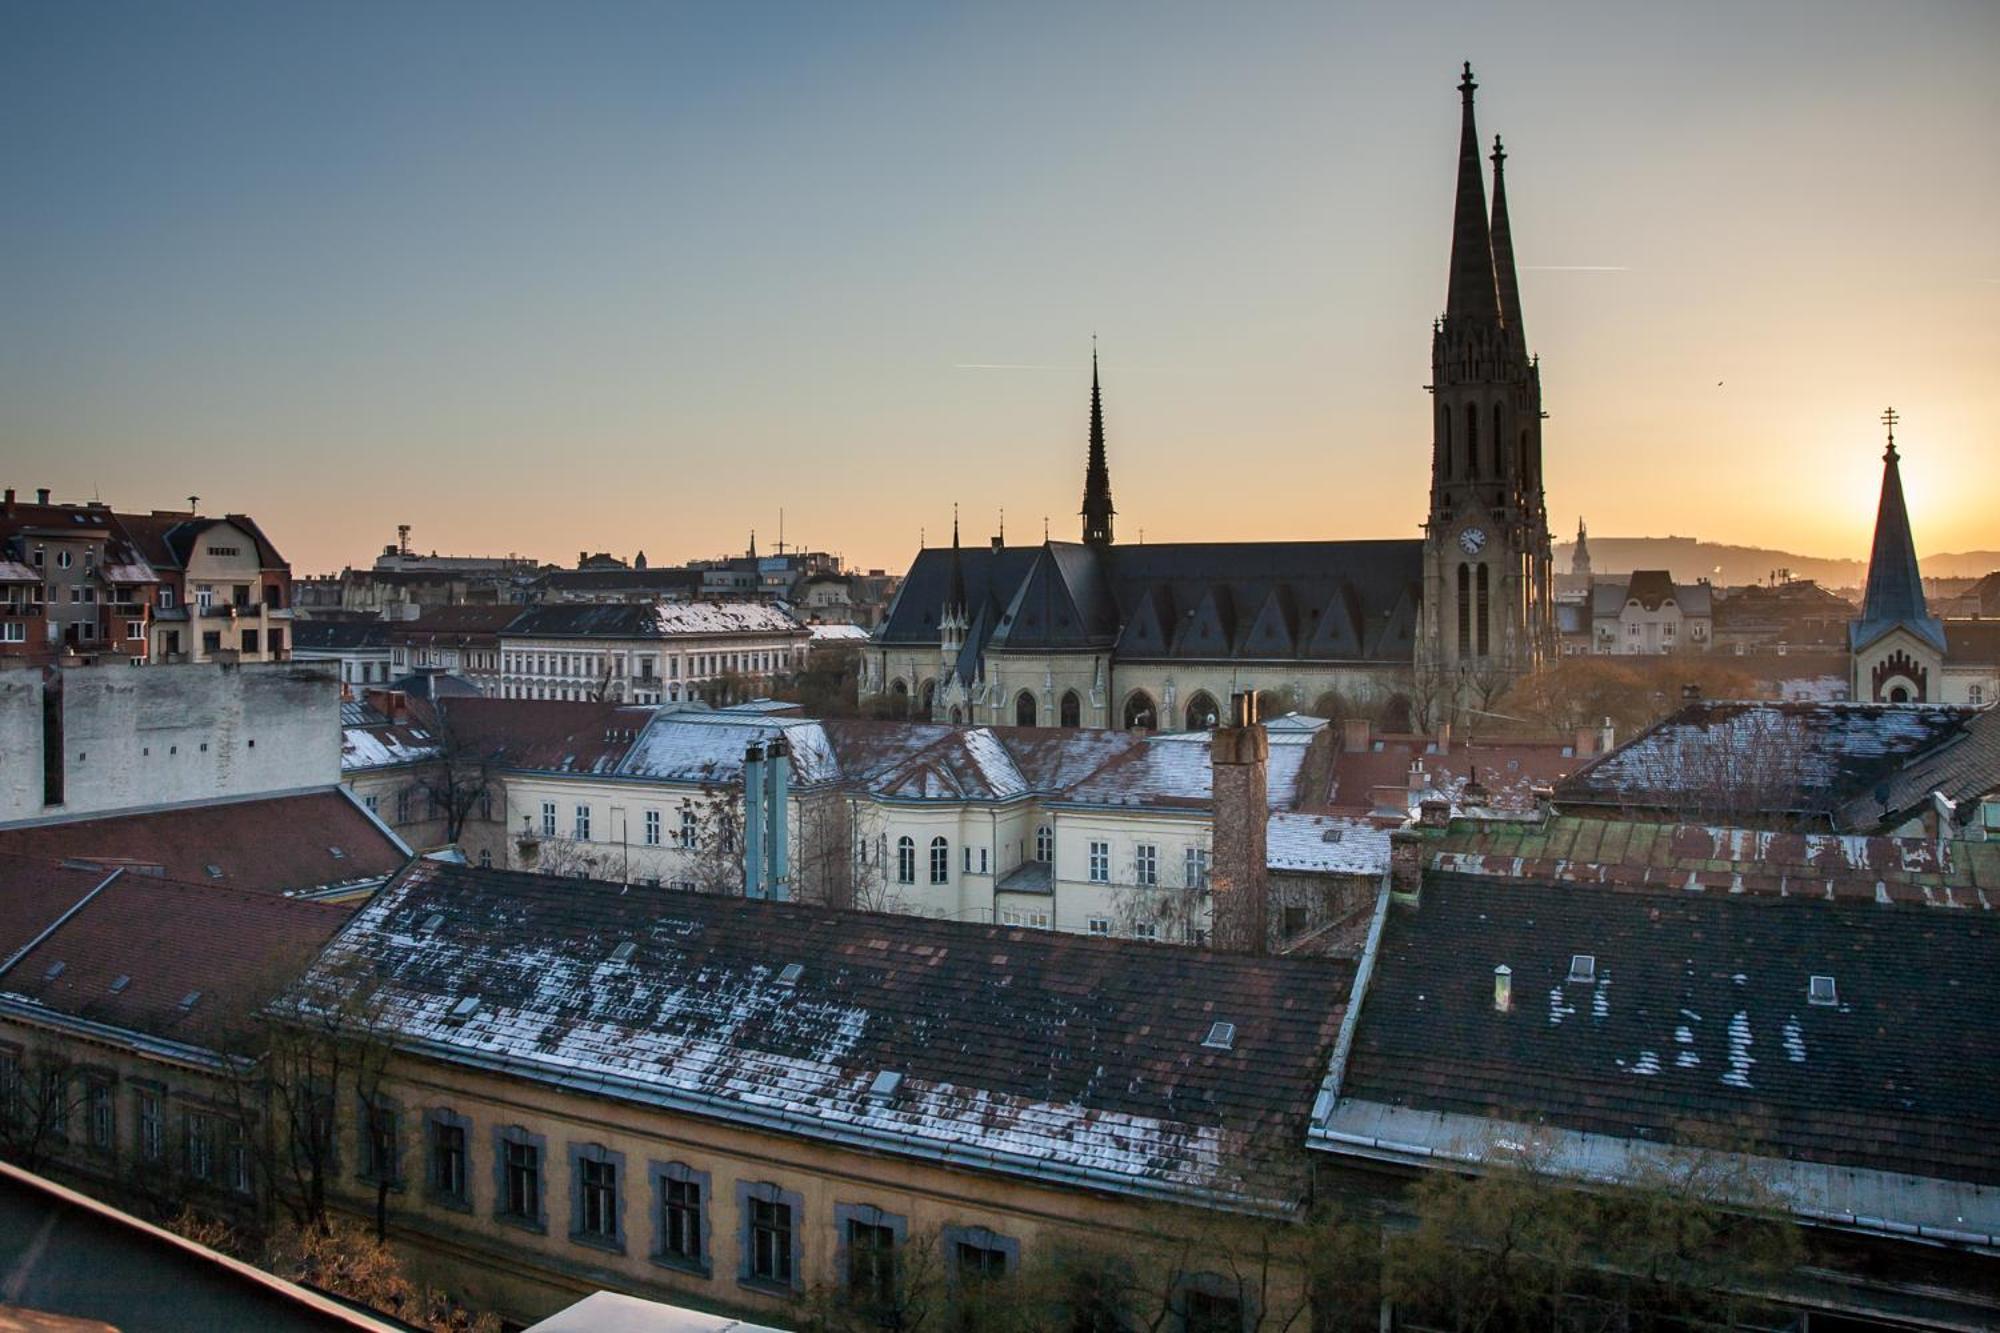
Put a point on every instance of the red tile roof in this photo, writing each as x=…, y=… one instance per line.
x=1508, y=770
x=272, y=844
x=228, y=951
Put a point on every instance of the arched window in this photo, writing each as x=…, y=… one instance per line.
x=1449, y=450
x=926, y=696
x=1140, y=715
x=906, y=861
x=1472, y=433
x=1499, y=447
x=1485, y=604
x=1024, y=709
x=1045, y=843
x=940, y=861
x=1202, y=712
x=1072, y=709
x=899, y=698
x=1464, y=610
x=1521, y=466
x=1899, y=695
x=956, y=718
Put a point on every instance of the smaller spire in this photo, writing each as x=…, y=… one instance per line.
x=1097, y=510
x=1506, y=283
x=955, y=599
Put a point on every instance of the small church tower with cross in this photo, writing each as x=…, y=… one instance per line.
x=1896, y=647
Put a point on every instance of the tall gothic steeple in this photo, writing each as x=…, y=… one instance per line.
x=955, y=600
x=1895, y=595
x=1097, y=510
x=1472, y=296
x=1508, y=287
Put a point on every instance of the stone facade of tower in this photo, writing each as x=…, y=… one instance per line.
x=1489, y=586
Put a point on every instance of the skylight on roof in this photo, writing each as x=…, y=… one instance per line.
x=215, y=872
x=55, y=970
x=1821, y=990
x=465, y=1008
x=119, y=983
x=338, y=855
x=790, y=974
x=623, y=953
x=884, y=1085
x=189, y=1000
x=432, y=922
x=1583, y=968
x=1221, y=1037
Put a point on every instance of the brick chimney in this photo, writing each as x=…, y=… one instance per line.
x=1238, y=873
x=1586, y=742
x=1444, y=738
x=1354, y=735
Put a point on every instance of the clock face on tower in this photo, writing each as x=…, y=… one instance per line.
x=1473, y=540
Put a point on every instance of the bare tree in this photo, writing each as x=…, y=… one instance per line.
x=41, y=1097
x=1178, y=913
x=461, y=780
x=840, y=857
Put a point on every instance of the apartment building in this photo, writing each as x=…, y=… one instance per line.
x=637, y=653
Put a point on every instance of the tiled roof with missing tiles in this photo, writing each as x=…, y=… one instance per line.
x=1052, y=1056
x=1695, y=1022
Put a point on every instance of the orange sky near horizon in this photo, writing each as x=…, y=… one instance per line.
x=642, y=281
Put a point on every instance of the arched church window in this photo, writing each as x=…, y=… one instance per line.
x=1024, y=709
x=1072, y=709
x=1472, y=433
x=1464, y=610
x=1499, y=447
x=899, y=699
x=1451, y=463
x=926, y=696
x=1521, y=465
x=956, y=718
x=1202, y=712
x=906, y=860
x=1140, y=715
x=1045, y=843
x=1485, y=605
x=940, y=861
x=1899, y=695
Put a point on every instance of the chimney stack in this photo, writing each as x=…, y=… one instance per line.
x=1444, y=738
x=1239, y=872
x=1586, y=742
x=1606, y=738
x=777, y=828
x=41, y=495
x=753, y=821
x=1354, y=735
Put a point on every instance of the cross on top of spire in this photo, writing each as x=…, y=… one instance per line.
x=1889, y=420
x=1466, y=85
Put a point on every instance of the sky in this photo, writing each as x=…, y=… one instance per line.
x=545, y=278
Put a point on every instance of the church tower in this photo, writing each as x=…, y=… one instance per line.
x=1896, y=646
x=1579, y=560
x=1097, y=510
x=1489, y=584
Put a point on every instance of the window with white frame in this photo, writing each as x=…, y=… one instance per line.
x=652, y=828
x=1146, y=930
x=583, y=823
x=940, y=861
x=1100, y=863
x=1146, y=864
x=1100, y=925
x=688, y=826
x=1194, y=868
x=906, y=860
x=548, y=819
x=1045, y=843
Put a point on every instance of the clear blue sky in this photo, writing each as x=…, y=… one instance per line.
x=560, y=276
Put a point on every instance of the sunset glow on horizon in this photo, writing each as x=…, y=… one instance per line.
x=638, y=277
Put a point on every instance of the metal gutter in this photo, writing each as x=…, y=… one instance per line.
x=165, y=1048
x=1343, y=1045
x=57, y=924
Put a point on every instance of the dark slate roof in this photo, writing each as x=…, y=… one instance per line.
x=335, y=635
x=991, y=578
x=615, y=620
x=1972, y=643
x=1698, y=1024
x=1962, y=770
x=232, y=949
x=1058, y=1057
x=166, y=538
x=1319, y=601
x=272, y=844
x=1759, y=758
x=622, y=580
x=1895, y=593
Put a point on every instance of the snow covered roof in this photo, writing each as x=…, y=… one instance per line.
x=383, y=746
x=1325, y=845
x=838, y=633
x=1055, y=1057
x=672, y=618
x=708, y=747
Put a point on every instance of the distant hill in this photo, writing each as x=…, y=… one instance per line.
x=1689, y=558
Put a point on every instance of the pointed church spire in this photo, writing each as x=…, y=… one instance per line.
x=1472, y=295
x=1097, y=510
x=1579, y=562
x=955, y=601
x=1895, y=594
x=1508, y=287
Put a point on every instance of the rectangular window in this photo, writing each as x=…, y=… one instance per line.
x=200, y=1146
x=1146, y=864
x=1146, y=930
x=102, y=1116
x=381, y=1155
x=1100, y=925
x=1194, y=868
x=652, y=828
x=771, y=1241
x=597, y=1199
x=1100, y=863
x=583, y=823
x=152, y=1142
x=548, y=819
x=236, y=1159
x=871, y=1266
x=521, y=1169
x=448, y=1159
x=689, y=827
x=681, y=1220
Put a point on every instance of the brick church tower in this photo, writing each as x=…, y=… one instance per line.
x=1489, y=585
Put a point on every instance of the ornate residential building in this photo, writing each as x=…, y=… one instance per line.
x=1157, y=636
